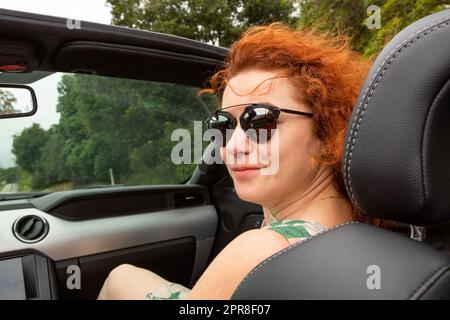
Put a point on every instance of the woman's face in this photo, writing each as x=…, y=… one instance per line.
x=268, y=172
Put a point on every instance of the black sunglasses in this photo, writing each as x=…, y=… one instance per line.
x=257, y=118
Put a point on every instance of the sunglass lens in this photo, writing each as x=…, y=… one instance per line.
x=259, y=123
x=221, y=122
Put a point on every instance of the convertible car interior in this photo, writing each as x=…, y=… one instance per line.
x=396, y=167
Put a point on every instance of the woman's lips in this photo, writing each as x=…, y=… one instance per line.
x=241, y=172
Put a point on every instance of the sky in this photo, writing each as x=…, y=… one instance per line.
x=46, y=89
x=87, y=10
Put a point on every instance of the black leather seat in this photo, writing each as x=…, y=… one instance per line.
x=396, y=166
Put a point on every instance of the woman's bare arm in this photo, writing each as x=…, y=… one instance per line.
x=236, y=260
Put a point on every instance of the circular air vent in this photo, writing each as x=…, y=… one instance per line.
x=30, y=229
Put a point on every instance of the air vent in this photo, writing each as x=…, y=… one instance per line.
x=185, y=199
x=30, y=229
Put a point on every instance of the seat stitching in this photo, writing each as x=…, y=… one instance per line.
x=428, y=282
x=425, y=126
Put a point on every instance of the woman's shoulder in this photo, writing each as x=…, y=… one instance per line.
x=242, y=255
x=235, y=261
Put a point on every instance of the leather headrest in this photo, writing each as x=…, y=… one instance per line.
x=396, y=160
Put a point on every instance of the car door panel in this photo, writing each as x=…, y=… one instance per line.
x=175, y=242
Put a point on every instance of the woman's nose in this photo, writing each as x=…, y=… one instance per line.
x=239, y=144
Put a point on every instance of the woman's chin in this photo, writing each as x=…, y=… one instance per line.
x=249, y=194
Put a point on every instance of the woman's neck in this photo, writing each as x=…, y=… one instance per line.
x=322, y=203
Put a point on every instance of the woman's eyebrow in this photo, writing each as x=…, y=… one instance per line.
x=248, y=104
x=267, y=103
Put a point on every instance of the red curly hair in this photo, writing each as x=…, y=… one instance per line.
x=328, y=73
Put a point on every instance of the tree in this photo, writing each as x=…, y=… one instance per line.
x=124, y=125
x=40, y=157
x=395, y=16
x=219, y=22
x=51, y=169
x=27, y=147
x=7, y=101
x=350, y=16
x=336, y=17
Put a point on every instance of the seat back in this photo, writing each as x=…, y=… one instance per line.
x=352, y=261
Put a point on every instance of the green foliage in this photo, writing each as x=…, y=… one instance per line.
x=110, y=123
x=395, y=16
x=350, y=16
x=28, y=147
x=25, y=181
x=218, y=22
x=52, y=168
x=8, y=175
x=335, y=17
x=39, y=157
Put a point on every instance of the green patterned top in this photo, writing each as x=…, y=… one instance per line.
x=169, y=291
x=293, y=230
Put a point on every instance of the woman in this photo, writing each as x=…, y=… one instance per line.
x=303, y=85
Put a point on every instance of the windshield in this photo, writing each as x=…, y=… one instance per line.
x=95, y=131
